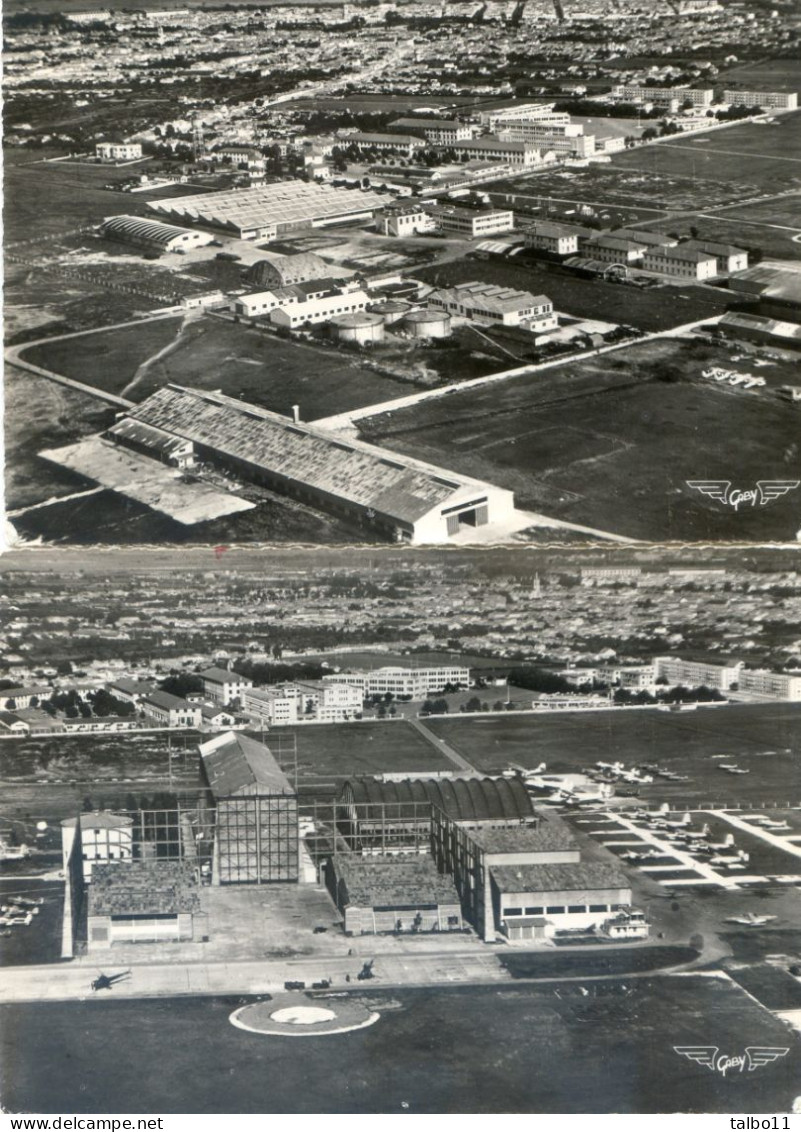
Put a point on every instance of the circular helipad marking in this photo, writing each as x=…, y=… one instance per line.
x=294, y=1015
x=302, y=1015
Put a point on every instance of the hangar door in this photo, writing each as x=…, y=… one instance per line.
x=470, y=515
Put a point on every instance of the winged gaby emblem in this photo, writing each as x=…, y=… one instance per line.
x=754, y=1057
x=764, y=492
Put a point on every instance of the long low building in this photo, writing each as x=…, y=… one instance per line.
x=267, y=211
x=153, y=235
x=488, y=304
x=396, y=496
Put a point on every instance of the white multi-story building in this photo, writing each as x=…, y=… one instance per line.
x=694, y=674
x=615, y=249
x=407, y=220
x=415, y=682
x=472, y=223
x=488, y=303
x=561, y=139
x=761, y=684
x=118, y=151
x=558, y=239
x=440, y=131
x=681, y=262
x=728, y=258
x=491, y=149
x=222, y=685
x=662, y=96
x=170, y=711
x=309, y=700
x=104, y=837
x=766, y=99
x=524, y=111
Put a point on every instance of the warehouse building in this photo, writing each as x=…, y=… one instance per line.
x=392, y=895
x=414, y=683
x=256, y=839
x=152, y=235
x=681, y=262
x=527, y=882
x=141, y=901
x=489, y=304
x=153, y=442
x=761, y=330
x=319, y=308
x=268, y=211
x=275, y=270
x=396, y=496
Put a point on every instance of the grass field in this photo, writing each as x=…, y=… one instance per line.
x=767, y=74
x=683, y=741
x=732, y=226
x=765, y=158
x=610, y=442
x=520, y=1049
x=210, y=354
x=342, y=750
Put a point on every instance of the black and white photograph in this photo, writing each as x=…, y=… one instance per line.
x=400, y=592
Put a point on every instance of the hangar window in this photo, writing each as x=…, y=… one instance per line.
x=576, y=908
x=599, y=908
x=513, y=911
x=535, y=911
x=555, y=909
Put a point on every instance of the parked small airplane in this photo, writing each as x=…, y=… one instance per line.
x=750, y=919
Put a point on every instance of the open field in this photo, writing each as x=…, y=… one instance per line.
x=683, y=741
x=611, y=441
x=475, y=1050
x=781, y=210
x=338, y=751
x=765, y=74
x=733, y=227
x=657, y=308
x=754, y=157
x=40, y=940
x=207, y=353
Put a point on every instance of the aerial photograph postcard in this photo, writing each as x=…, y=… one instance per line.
x=413, y=831
x=402, y=271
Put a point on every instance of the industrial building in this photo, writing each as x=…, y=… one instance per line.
x=118, y=151
x=457, y=220
x=681, y=262
x=392, y=895
x=152, y=235
x=488, y=304
x=394, y=495
x=412, y=683
x=268, y=211
x=104, y=836
x=526, y=883
x=761, y=330
x=152, y=442
x=318, y=307
x=275, y=270
x=395, y=816
x=256, y=838
x=766, y=99
x=141, y=901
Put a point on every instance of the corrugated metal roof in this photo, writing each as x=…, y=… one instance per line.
x=137, y=432
x=386, y=482
x=548, y=836
x=234, y=761
x=476, y=799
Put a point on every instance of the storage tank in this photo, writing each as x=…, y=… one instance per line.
x=391, y=310
x=428, y=324
x=361, y=326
